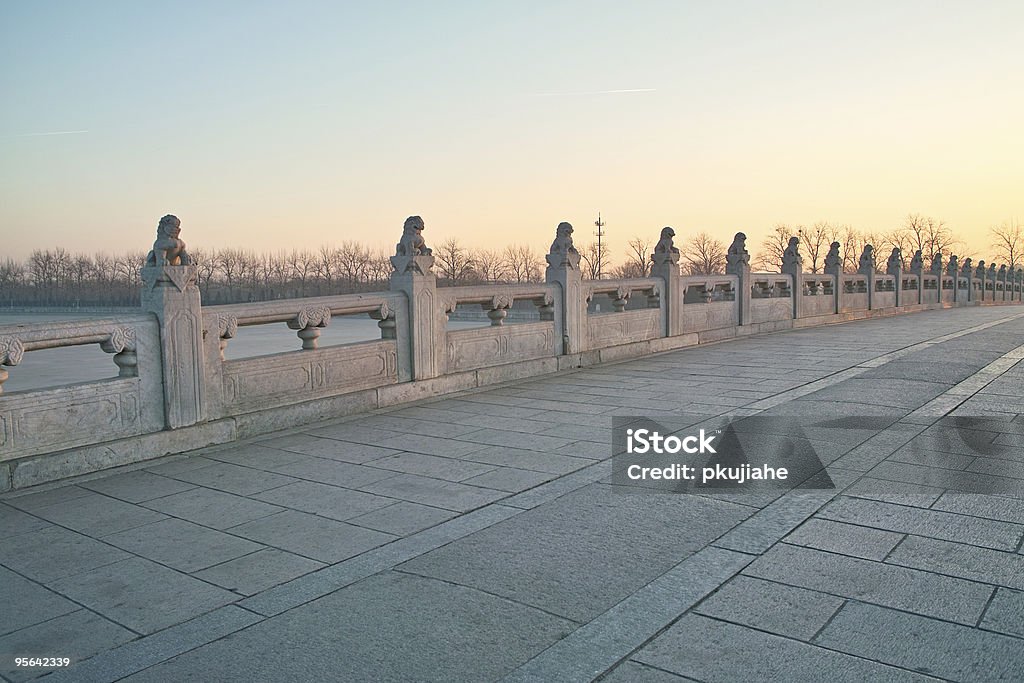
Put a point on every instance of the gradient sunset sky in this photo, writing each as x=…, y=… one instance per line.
x=280, y=125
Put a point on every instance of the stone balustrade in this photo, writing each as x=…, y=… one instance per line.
x=177, y=390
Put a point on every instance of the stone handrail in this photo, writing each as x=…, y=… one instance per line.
x=175, y=390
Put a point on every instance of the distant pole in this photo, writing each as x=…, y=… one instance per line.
x=600, y=244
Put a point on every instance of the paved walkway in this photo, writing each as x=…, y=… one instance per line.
x=475, y=537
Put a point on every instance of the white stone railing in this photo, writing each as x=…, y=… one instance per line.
x=54, y=419
x=177, y=391
x=309, y=372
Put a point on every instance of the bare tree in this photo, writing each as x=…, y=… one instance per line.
x=1008, y=242
x=523, y=263
x=814, y=243
x=638, y=258
x=930, y=235
x=702, y=254
x=772, y=248
x=353, y=259
x=455, y=261
x=491, y=265
x=302, y=266
x=378, y=266
x=594, y=261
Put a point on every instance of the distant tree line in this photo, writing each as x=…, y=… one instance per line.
x=57, y=277
x=929, y=235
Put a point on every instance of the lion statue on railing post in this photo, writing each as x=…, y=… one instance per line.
x=168, y=250
x=412, y=243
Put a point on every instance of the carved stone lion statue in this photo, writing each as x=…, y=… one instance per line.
x=738, y=253
x=967, y=270
x=953, y=267
x=665, y=244
x=168, y=250
x=563, y=240
x=412, y=243
x=979, y=272
x=917, y=263
x=791, y=258
x=833, y=261
x=867, y=259
x=895, y=262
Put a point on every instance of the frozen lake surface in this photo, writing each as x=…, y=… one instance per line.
x=74, y=364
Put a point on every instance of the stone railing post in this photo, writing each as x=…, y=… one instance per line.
x=564, y=269
x=894, y=267
x=917, y=268
x=866, y=267
x=169, y=291
x=990, y=276
x=665, y=265
x=979, y=273
x=412, y=273
x=737, y=262
x=1001, y=277
x=1020, y=284
x=953, y=271
x=834, y=267
x=967, y=272
x=793, y=265
x=938, y=272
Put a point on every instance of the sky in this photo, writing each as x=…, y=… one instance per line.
x=289, y=125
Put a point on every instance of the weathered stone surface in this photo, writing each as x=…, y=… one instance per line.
x=888, y=585
x=543, y=558
x=142, y=595
x=774, y=607
x=937, y=648
x=385, y=635
x=707, y=650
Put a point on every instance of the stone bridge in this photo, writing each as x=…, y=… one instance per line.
x=440, y=505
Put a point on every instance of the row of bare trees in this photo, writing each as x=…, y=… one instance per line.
x=928, y=235
x=56, y=277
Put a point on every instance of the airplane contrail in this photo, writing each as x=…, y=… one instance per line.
x=597, y=92
x=55, y=132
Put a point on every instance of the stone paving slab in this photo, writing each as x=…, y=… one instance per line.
x=481, y=544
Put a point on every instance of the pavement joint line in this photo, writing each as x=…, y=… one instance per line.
x=326, y=580
x=603, y=642
x=955, y=395
x=137, y=655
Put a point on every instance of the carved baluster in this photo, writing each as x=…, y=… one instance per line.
x=386, y=321
x=622, y=295
x=121, y=343
x=497, y=308
x=308, y=322
x=654, y=297
x=448, y=307
x=546, y=306
x=11, y=353
x=227, y=328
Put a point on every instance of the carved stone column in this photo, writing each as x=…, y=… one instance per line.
x=953, y=270
x=834, y=267
x=967, y=272
x=917, y=268
x=665, y=265
x=737, y=262
x=979, y=273
x=564, y=269
x=793, y=266
x=169, y=291
x=412, y=273
x=866, y=267
x=894, y=267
